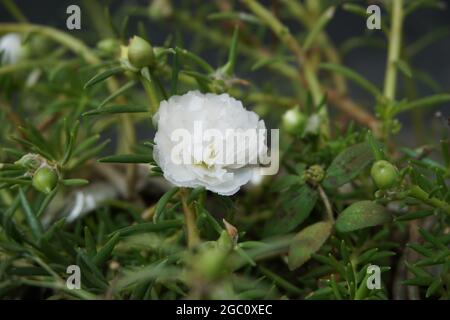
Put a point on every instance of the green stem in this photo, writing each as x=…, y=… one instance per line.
x=283, y=33
x=14, y=10
x=309, y=21
x=395, y=40
x=417, y=192
x=190, y=221
x=72, y=43
x=151, y=93
x=326, y=203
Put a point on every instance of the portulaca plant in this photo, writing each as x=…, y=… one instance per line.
x=133, y=165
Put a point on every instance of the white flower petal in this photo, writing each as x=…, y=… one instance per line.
x=213, y=165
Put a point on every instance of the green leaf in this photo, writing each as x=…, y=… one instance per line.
x=420, y=249
x=149, y=227
x=430, y=101
x=284, y=183
x=419, y=281
x=228, y=68
x=86, y=144
x=89, y=153
x=354, y=76
x=117, y=93
x=46, y=202
x=15, y=181
x=162, y=203
x=296, y=210
x=75, y=182
x=433, y=239
x=426, y=40
x=175, y=74
x=307, y=242
x=93, y=275
x=89, y=243
x=414, y=215
x=33, y=222
x=117, y=109
x=404, y=67
x=434, y=286
x=71, y=136
x=183, y=53
x=268, y=61
x=319, y=25
x=355, y=9
x=376, y=146
x=127, y=158
x=195, y=194
x=348, y=164
x=105, y=252
x=233, y=15
x=208, y=217
x=361, y=215
x=103, y=76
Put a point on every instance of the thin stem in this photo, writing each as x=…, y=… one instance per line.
x=283, y=33
x=190, y=220
x=326, y=202
x=151, y=94
x=309, y=21
x=353, y=110
x=395, y=40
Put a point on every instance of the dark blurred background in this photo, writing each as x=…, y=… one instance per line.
x=369, y=61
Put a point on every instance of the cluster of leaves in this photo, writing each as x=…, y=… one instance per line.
x=310, y=232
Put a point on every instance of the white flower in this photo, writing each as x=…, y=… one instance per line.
x=212, y=163
x=11, y=48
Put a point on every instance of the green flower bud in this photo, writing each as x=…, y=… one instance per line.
x=140, y=53
x=210, y=263
x=30, y=161
x=45, y=179
x=224, y=241
x=108, y=45
x=293, y=120
x=315, y=173
x=384, y=174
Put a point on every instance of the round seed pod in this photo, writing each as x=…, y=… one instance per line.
x=45, y=179
x=384, y=174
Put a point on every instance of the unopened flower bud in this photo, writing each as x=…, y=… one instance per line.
x=315, y=174
x=140, y=53
x=293, y=120
x=109, y=45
